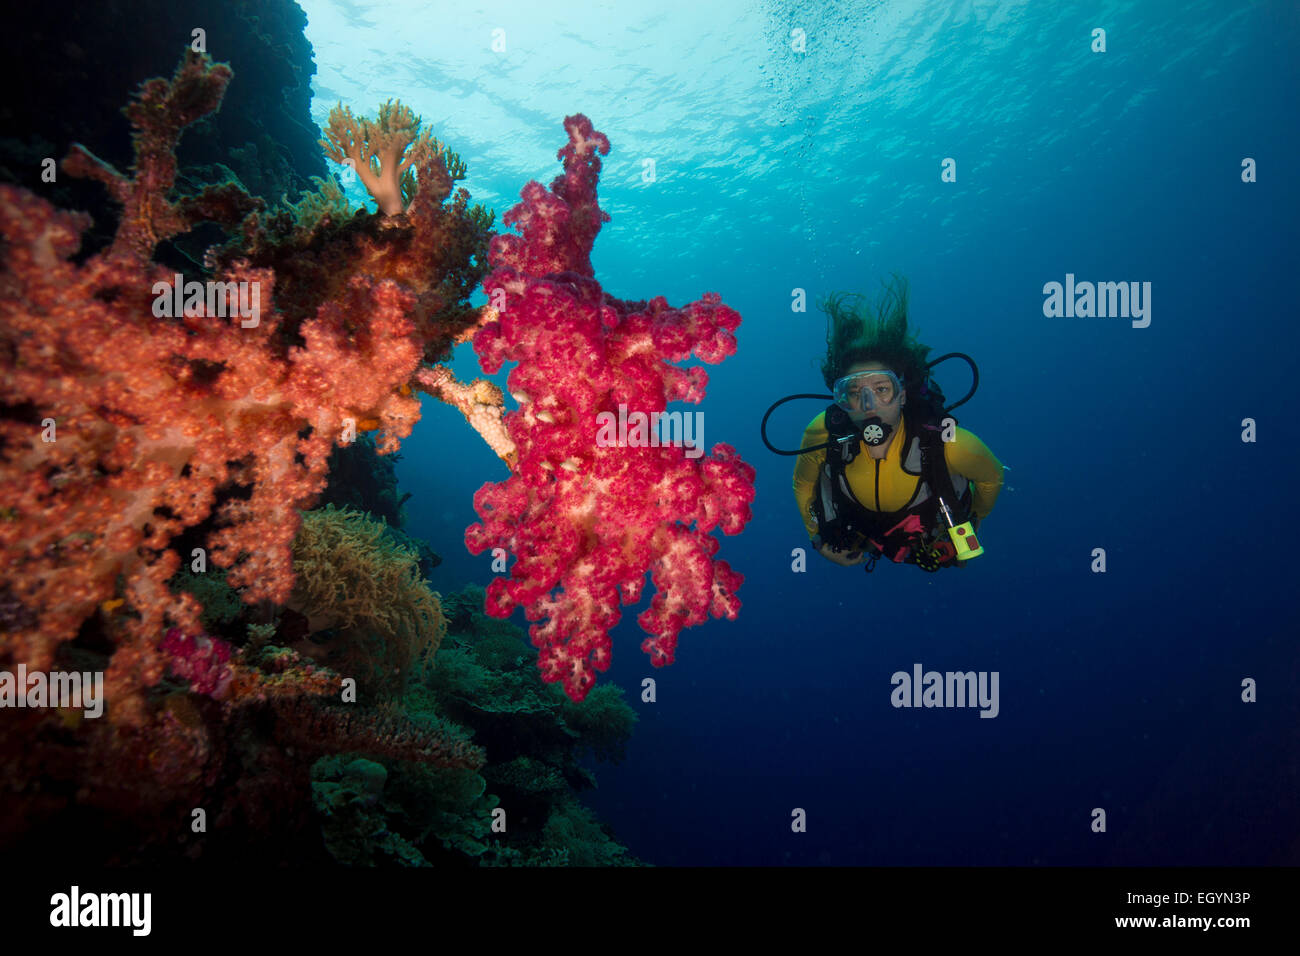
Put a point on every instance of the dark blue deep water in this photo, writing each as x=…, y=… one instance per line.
x=820, y=170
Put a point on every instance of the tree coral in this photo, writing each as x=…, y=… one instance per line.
x=379, y=151
x=584, y=514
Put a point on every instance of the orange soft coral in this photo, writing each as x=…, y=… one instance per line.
x=125, y=423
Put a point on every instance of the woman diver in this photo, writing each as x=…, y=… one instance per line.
x=885, y=470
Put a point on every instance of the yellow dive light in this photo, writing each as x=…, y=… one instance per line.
x=962, y=535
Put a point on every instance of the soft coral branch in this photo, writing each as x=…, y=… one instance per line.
x=159, y=112
x=587, y=519
x=481, y=402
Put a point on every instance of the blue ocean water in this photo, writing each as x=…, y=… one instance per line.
x=820, y=169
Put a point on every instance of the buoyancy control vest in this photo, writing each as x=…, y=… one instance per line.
x=916, y=533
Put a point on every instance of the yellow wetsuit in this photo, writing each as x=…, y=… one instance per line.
x=892, y=483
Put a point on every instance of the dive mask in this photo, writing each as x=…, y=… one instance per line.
x=865, y=392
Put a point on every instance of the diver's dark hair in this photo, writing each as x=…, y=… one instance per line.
x=857, y=331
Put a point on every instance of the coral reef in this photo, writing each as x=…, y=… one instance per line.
x=392, y=812
x=133, y=432
x=165, y=431
x=127, y=422
x=435, y=250
x=346, y=794
x=123, y=425
x=126, y=793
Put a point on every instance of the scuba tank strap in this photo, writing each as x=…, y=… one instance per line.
x=956, y=516
x=934, y=466
x=833, y=503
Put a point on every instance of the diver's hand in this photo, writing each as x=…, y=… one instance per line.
x=845, y=558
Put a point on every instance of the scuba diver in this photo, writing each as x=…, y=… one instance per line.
x=875, y=475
